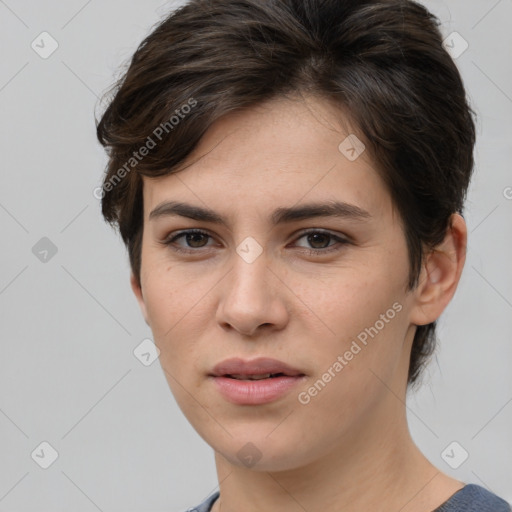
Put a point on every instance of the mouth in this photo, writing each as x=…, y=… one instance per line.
x=256, y=377
x=255, y=369
x=255, y=382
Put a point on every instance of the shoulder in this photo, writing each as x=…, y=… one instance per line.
x=206, y=505
x=473, y=498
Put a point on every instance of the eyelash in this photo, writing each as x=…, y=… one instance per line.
x=312, y=252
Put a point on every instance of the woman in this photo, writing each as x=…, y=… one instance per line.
x=289, y=178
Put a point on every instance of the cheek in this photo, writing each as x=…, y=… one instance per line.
x=367, y=347
x=164, y=301
x=168, y=290
x=361, y=318
x=178, y=306
x=348, y=301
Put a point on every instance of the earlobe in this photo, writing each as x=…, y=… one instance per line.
x=137, y=290
x=440, y=274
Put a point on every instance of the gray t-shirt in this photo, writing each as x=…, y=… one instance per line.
x=471, y=498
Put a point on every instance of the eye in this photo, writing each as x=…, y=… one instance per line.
x=195, y=237
x=317, y=237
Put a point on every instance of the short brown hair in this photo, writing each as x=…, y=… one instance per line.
x=383, y=60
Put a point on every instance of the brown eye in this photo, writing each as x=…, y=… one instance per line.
x=194, y=239
x=320, y=239
x=319, y=242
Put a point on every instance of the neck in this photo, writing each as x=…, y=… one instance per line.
x=375, y=467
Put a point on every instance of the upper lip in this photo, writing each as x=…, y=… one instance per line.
x=259, y=366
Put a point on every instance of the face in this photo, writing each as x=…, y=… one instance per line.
x=323, y=294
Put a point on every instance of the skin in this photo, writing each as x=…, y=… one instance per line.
x=349, y=448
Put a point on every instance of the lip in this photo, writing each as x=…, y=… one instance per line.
x=254, y=392
x=257, y=366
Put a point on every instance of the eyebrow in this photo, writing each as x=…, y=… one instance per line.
x=279, y=216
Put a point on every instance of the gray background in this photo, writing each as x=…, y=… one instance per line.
x=69, y=324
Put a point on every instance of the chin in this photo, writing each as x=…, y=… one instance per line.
x=260, y=452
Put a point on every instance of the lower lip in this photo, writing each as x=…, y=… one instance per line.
x=255, y=392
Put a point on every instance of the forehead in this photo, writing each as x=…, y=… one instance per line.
x=280, y=129
x=273, y=154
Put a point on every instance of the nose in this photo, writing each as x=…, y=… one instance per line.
x=252, y=298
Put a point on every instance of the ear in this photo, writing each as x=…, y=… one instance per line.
x=137, y=290
x=440, y=274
